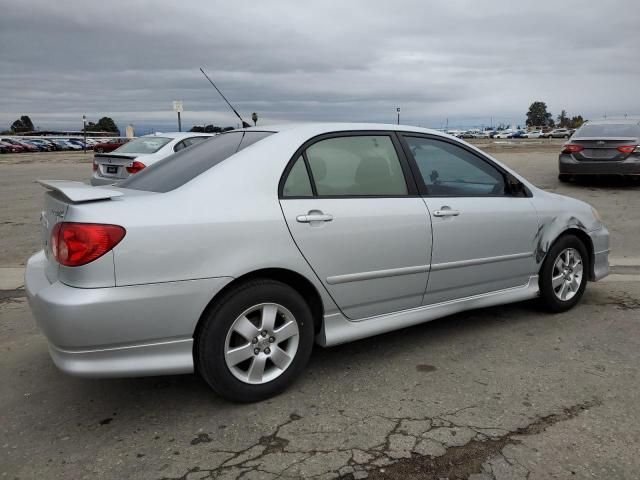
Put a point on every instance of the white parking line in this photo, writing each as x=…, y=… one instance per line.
x=621, y=277
x=624, y=261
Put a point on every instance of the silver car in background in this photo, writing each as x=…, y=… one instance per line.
x=138, y=154
x=231, y=257
x=602, y=147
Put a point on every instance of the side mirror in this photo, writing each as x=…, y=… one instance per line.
x=515, y=187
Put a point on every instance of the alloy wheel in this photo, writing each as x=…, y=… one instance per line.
x=261, y=343
x=567, y=274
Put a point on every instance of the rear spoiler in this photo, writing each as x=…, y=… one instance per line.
x=79, y=192
x=125, y=156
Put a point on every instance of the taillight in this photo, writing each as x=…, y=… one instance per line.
x=95, y=166
x=628, y=148
x=75, y=244
x=572, y=148
x=135, y=167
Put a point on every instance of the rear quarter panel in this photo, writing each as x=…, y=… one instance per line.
x=225, y=223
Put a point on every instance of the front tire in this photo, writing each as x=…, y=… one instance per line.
x=255, y=341
x=563, y=277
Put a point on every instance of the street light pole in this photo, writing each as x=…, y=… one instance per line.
x=398, y=111
x=84, y=133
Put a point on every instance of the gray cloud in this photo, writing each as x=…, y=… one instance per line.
x=463, y=60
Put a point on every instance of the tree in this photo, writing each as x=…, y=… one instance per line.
x=23, y=124
x=576, y=121
x=105, y=124
x=206, y=129
x=563, y=119
x=227, y=129
x=538, y=115
x=28, y=124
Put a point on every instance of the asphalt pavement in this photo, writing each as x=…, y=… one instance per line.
x=502, y=393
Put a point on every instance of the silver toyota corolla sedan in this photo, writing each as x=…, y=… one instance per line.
x=232, y=257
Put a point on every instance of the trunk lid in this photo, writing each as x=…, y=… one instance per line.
x=61, y=196
x=602, y=149
x=113, y=165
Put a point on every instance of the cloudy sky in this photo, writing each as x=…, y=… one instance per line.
x=466, y=61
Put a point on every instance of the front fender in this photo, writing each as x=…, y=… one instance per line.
x=558, y=215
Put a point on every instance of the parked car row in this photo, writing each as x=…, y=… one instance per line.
x=42, y=144
x=109, y=145
x=556, y=133
x=510, y=133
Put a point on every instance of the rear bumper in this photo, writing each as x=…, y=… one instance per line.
x=568, y=165
x=119, y=331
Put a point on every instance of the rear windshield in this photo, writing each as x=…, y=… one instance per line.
x=183, y=166
x=144, y=145
x=605, y=130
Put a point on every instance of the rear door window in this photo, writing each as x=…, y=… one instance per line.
x=298, y=183
x=363, y=165
x=179, y=146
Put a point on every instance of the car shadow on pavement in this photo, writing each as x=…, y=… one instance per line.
x=606, y=181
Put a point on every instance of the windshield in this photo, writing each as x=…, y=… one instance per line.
x=144, y=145
x=609, y=130
x=183, y=166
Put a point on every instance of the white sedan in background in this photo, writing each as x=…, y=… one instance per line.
x=533, y=134
x=504, y=134
x=137, y=154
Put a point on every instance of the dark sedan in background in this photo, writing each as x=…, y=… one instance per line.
x=602, y=147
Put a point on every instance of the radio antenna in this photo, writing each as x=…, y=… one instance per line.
x=244, y=124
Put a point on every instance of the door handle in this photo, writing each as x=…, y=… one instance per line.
x=446, y=212
x=314, y=217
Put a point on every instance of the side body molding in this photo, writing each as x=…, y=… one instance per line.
x=338, y=329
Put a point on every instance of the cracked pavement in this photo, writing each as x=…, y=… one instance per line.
x=501, y=393
x=513, y=393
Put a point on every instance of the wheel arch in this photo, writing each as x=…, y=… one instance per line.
x=289, y=277
x=585, y=239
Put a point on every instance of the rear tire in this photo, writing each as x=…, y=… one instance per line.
x=564, y=178
x=272, y=350
x=563, y=276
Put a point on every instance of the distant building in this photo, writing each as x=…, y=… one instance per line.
x=129, y=132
